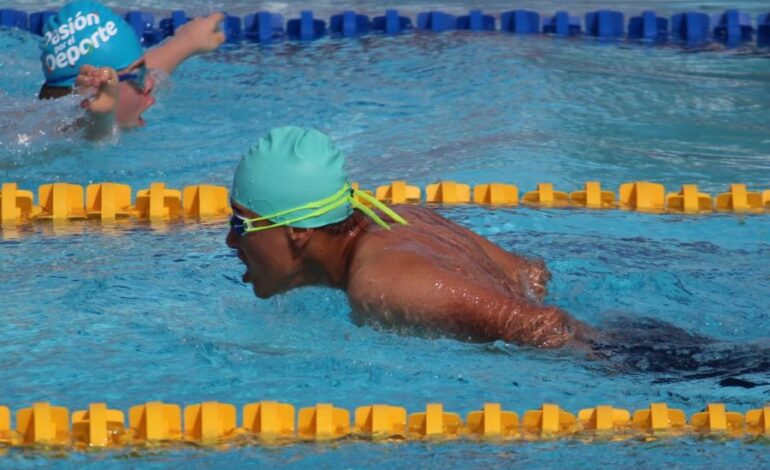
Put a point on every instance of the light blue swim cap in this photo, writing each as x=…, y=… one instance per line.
x=289, y=168
x=85, y=32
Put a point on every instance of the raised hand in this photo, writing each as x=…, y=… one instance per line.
x=104, y=80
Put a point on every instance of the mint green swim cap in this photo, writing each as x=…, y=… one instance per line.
x=289, y=168
x=85, y=32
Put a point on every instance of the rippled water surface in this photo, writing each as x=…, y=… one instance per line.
x=132, y=313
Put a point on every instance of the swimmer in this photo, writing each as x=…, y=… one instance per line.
x=297, y=222
x=87, y=48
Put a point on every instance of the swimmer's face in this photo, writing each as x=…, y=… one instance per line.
x=272, y=262
x=133, y=98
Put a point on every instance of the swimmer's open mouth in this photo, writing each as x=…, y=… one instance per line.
x=247, y=275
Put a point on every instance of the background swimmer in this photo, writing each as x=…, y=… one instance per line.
x=87, y=47
x=295, y=224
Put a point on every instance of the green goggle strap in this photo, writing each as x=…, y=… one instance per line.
x=372, y=215
x=346, y=194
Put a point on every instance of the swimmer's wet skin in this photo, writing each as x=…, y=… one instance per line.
x=415, y=268
x=86, y=46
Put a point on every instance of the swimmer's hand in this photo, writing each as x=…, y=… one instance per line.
x=195, y=37
x=103, y=82
x=203, y=33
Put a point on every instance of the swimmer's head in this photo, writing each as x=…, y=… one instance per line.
x=88, y=33
x=289, y=169
x=85, y=32
x=289, y=186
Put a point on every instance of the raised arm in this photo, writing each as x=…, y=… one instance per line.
x=199, y=35
x=422, y=295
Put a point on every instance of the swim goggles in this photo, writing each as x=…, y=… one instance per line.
x=243, y=225
x=137, y=78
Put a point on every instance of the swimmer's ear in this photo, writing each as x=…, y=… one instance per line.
x=299, y=236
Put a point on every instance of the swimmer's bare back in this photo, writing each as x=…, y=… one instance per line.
x=438, y=275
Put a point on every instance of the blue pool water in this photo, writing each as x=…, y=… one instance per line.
x=134, y=312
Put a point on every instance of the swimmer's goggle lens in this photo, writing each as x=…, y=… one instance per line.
x=136, y=78
x=236, y=223
x=243, y=225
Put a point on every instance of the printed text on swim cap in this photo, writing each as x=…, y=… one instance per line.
x=67, y=50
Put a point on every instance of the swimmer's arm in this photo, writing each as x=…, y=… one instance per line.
x=432, y=298
x=197, y=36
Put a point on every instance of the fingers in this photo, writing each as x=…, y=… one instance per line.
x=219, y=38
x=93, y=77
x=216, y=18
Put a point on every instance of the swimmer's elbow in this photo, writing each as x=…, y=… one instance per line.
x=541, y=327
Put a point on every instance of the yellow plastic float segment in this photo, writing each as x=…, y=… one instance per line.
x=496, y=194
x=323, y=421
x=156, y=421
x=716, y=419
x=61, y=201
x=7, y=435
x=108, y=201
x=43, y=424
x=549, y=420
x=545, y=195
x=448, y=192
x=380, y=421
x=492, y=421
x=98, y=426
x=738, y=199
x=593, y=197
x=16, y=205
x=642, y=196
x=689, y=200
x=209, y=421
x=157, y=202
x=205, y=200
x=604, y=418
x=269, y=419
x=659, y=417
x=434, y=422
x=758, y=421
x=766, y=199
x=398, y=192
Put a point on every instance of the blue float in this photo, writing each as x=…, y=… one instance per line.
x=475, y=20
x=391, y=23
x=763, y=30
x=348, y=24
x=305, y=28
x=143, y=24
x=10, y=18
x=691, y=27
x=168, y=26
x=436, y=21
x=561, y=24
x=649, y=26
x=263, y=27
x=233, y=29
x=37, y=21
x=520, y=21
x=605, y=23
x=733, y=27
